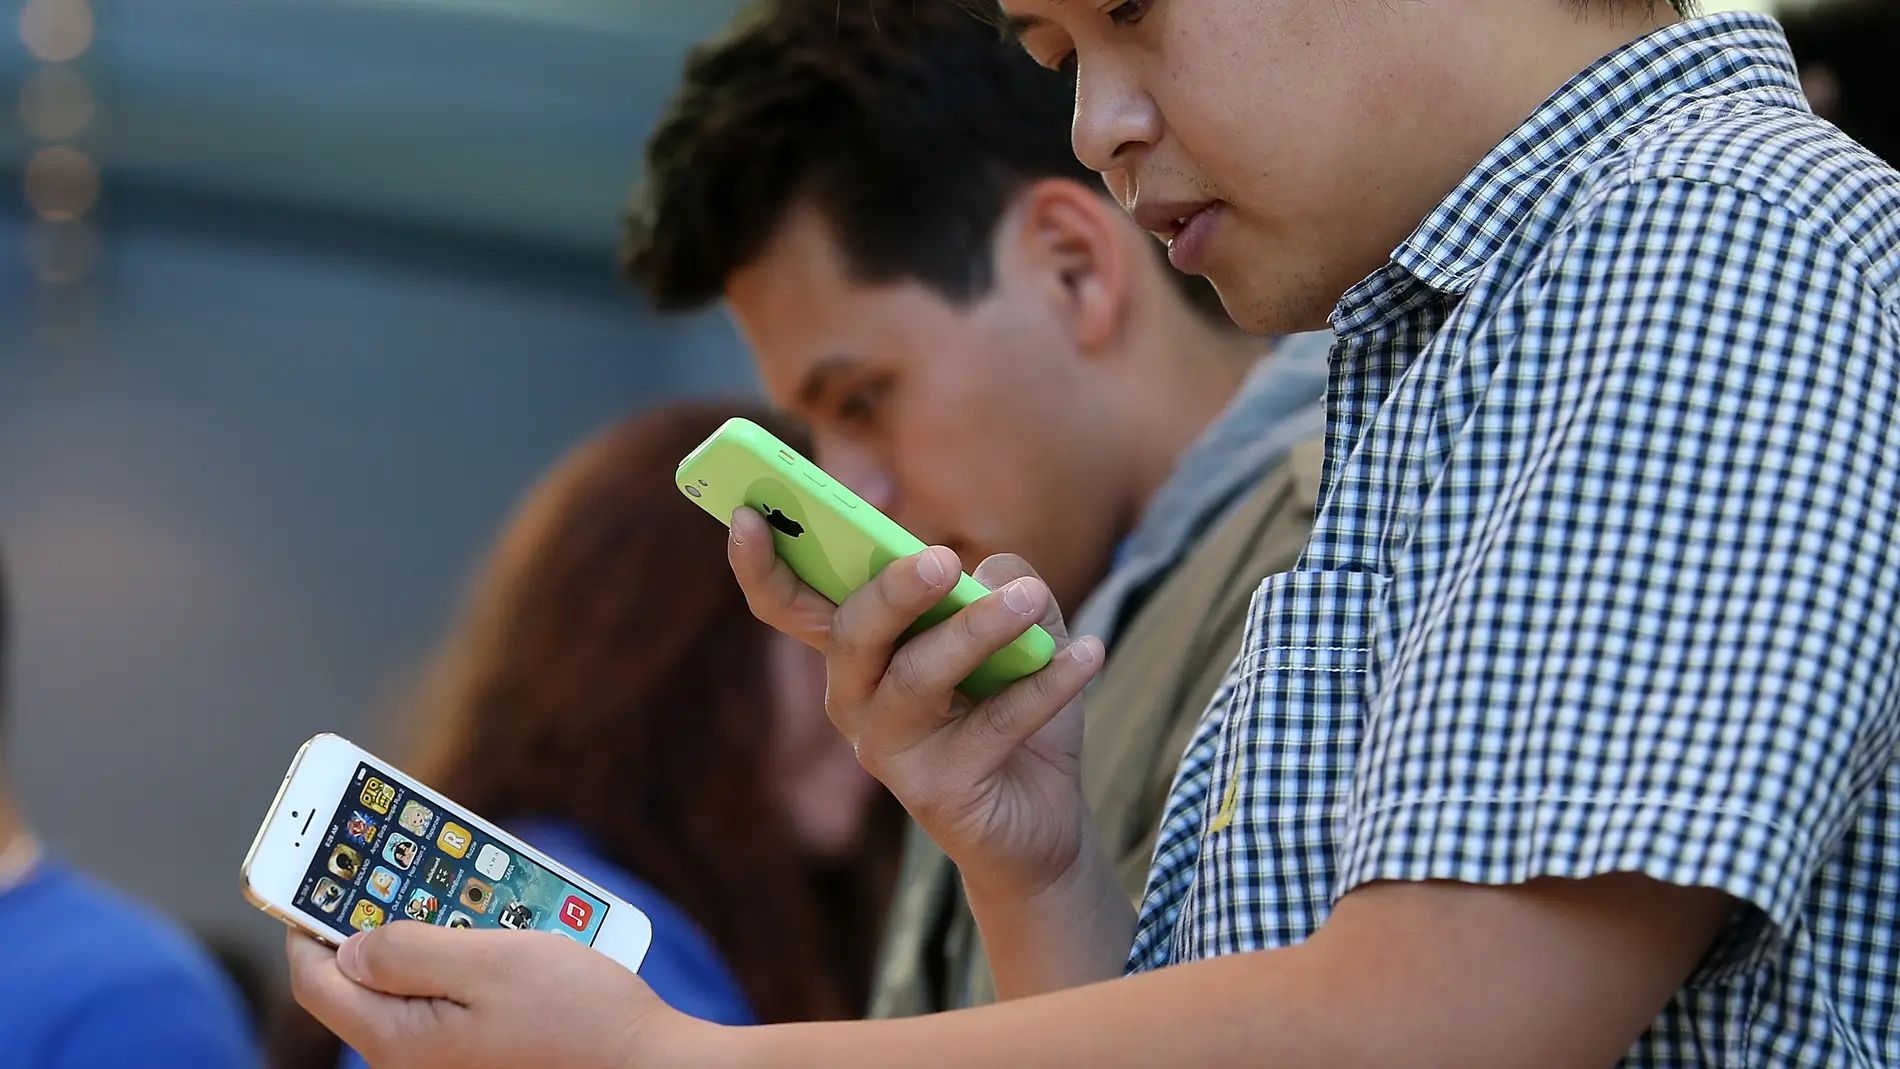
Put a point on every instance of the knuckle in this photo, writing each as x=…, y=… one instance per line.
x=842, y=647
x=840, y=706
x=978, y=626
x=1003, y=716
x=990, y=721
x=1048, y=687
x=851, y=720
x=369, y=954
x=891, y=578
x=907, y=679
x=900, y=585
x=838, y=711
x=758, y=606
x=984, y=628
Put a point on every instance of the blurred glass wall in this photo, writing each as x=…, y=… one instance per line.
x=296, y=296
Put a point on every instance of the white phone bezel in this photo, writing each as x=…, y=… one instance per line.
x=285, y=845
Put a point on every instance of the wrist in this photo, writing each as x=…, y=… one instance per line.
x=1061, y=888
x=674, y=1040
x=1071, y=931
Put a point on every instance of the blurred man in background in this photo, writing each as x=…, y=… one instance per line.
x=90, y=980
x=993, y=354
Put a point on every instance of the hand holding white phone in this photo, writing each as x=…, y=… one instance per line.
x=351, y=843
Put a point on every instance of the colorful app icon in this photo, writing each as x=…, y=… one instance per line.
x=344, y=862
x=454, y=839
x=458, y=919
x=516, y=915
x=377, y=795
x=441, y=874
x=415, y=818
x=476, y=895
x=576, y=913
x=423, y=906
x=366, y=915
x=361, y=829
x=384, y=884
x=401, y=851
x=491, y=861
x=327, y=895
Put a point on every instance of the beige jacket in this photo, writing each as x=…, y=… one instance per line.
x=1164, y=669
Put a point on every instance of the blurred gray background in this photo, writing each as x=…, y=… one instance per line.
x=345, y=286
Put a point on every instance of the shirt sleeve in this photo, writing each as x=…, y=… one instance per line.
x=1646, y=621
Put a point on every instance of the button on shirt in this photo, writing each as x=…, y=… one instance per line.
x=1606, y=576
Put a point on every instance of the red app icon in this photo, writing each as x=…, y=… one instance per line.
x=576, y=913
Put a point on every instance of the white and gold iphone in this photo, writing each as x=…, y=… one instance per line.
x=351, y=843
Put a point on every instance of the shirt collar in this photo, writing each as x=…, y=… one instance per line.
x=1694, y=59
x=1277, y=407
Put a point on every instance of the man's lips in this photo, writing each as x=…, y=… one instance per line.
x=1167, y=218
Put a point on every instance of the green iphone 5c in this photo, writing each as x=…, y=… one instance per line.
x=832, y=538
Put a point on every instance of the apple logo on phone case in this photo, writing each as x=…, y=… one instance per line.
x=784, y=524
x=801, y=536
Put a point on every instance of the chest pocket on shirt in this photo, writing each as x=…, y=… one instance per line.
x=1283, y=770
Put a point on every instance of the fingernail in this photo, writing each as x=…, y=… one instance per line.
x=930, y=569
x=349, y=957
x=1086, y=651
x=1016, y=596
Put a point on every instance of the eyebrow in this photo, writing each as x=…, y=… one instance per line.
x=817, y=381
x=1015, y=26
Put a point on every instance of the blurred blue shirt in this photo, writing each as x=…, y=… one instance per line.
x=683, y=968
x=88, y=980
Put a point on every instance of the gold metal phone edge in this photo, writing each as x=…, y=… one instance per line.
x=294, y=920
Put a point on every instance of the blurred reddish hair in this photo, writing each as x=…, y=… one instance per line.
x=608, y=673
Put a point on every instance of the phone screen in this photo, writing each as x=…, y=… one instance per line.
x=390, y=854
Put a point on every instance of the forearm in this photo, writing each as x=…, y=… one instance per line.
x=1076, y=931
x=1558, y=974
x=1213, y=1014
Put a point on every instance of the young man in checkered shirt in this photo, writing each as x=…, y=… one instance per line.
x=1570, y=742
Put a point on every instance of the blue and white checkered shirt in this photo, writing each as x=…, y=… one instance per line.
x=1606, y=575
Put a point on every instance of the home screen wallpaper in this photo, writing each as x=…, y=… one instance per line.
x=389, y=854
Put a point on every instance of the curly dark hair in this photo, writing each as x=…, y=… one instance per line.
x=908, y=124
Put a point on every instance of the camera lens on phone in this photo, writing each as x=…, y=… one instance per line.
x=692, y=491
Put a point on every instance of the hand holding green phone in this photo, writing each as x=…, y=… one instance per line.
x=832, y=539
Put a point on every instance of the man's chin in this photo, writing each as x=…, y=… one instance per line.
x=1273, y=307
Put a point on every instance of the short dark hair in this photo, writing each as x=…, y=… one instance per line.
x=908, y=124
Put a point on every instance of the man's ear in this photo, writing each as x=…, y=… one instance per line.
x=1073, y=242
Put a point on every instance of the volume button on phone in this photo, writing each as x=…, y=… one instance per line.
x=846, y=500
